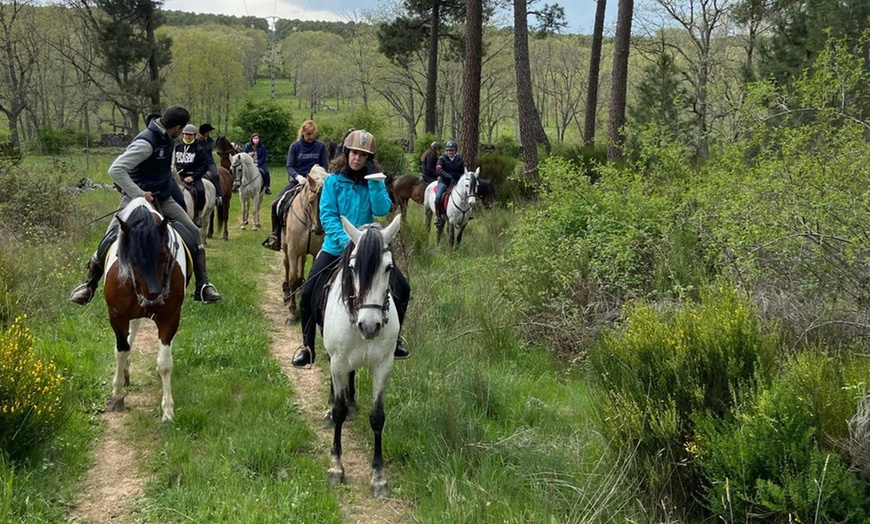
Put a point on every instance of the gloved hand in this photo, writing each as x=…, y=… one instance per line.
x=301, y=180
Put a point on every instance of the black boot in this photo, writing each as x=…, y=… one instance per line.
x=274, y=240
x=205, y=291
x=401, y=352
x=85, y=292
x=304, y=357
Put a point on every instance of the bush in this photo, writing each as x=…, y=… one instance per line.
x=271, y=121
x=35, y=204
x=496, y=166
x=587, y=158
x=31, y=395
x=774, y=456
x=508, y=145
x=56, y=141
x=664, y=369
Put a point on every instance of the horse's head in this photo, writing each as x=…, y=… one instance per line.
x=366, y=265
x=313, y=190
x=468, y=185
x=144, y=255
x=239, y=163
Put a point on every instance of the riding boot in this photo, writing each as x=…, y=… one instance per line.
x=205, y=291
x=274, y=240
x=401, y=351
x=83, y=294
x=218, y=201
x=304, y=357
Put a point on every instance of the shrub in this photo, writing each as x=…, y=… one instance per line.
x=587, y=158
x=55, y=141
x=272, y=121
x=496, y=166
x=773, y=456
x=35, y=203
x=31, y=395
x=508, y=145
x=663, y=369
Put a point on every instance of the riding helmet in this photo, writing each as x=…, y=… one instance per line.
x=361, y=140
x=451, y=145
x=435, y=145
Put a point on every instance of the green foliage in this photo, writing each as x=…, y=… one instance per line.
x=497, y=167
x=589, y=158
x=9, y=155
x=773, y=456
x=7, y=483
x=31, y=394
x=420, y=146
x=272, y=121
x=34, y=204
x=54, y=141
x=661, y=370
x=509, y=146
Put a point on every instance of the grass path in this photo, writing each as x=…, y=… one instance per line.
x=115, y=479
x=311, y=388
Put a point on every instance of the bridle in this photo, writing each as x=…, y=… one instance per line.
x=468, y=194
x=145, y=302
x=353, y=309
x=237, y=178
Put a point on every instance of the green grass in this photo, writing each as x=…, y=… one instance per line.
x=481, y=427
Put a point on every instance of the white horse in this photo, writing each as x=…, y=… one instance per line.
x=458, y=210
x=361, y=328
x=207, y=208
x=248, y=181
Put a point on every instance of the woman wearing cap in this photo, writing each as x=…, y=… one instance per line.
x=256, y=146
x=358, y=195
x=429, y=160
x=191, y=162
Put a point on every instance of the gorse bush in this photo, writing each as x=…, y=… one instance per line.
x=662, y=369
x=31, y=394
x=774, y=456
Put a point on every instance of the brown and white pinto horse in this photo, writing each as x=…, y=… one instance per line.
x=147, y=271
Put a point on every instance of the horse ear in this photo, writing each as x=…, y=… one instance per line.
x=351, y=231
x=477, y=171
x=392, y=229
x=124, y=227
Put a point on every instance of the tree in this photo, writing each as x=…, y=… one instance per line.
x=660, y=98
x=531, y=131
x=621, y=43
x=19, y=51
x=471, y=82
x=594, y=68
x=559, y=77
x=129, y=53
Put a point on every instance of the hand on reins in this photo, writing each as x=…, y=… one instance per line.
x=149, y=196
x=188, y=180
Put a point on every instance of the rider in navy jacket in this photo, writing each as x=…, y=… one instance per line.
x=450, y=169
x=256, y=146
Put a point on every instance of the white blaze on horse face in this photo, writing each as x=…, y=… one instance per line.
x=370, y=320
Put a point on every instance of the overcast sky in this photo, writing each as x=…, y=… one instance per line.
x=580, y=13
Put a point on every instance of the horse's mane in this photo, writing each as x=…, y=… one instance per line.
x=316, y=176
x=366, y=264
x=139, y=247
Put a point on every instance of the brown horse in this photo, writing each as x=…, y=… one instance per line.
x=303, y=235
x=222, y=211
x=407, y=187
x=147, y=271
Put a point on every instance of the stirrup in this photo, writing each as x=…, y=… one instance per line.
x=215, y=296
x=272, y=242
x=303, y=358
x=85, y=299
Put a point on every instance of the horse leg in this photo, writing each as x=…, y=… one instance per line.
x=459, y=234
x=257, y=201
x=122, y=354
x=439, y=225
x=351, y=401
x=134, y=328
x=166, y=332
x=377, y=419
x=339, y=415
x=290, y=286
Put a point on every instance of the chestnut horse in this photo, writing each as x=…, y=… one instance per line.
x=147, y=272
x=407, y=187
x=224, y=148
x=303, y=235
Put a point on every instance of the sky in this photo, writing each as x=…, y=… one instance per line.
x=580, y=14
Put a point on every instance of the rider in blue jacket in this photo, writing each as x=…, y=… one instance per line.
x=348, y=194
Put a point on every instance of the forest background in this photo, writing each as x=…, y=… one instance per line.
x=691, y=246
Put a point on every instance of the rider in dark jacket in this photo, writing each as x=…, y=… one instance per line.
x=191, y=162
x=207, y=143
x=144, y=169
x=450, y=169
x=429, y=160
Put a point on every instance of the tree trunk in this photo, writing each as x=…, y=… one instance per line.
x=471, y=82
x=531, y=131
x=153, y=66
x=594, y=69
x=429, y=124
x=621, y=43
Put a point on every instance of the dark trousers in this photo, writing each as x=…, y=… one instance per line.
x=312, y=291
x=276, y=215
x=267, y=178
x=199, y=202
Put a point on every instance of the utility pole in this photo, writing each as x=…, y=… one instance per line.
x=273, y=22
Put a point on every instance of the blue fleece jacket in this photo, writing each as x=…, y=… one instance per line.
x=358, y=203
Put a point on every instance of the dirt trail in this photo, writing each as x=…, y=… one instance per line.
x=115, y=479
x=312, y=388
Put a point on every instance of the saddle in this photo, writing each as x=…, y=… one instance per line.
x=286, y=201
x=445, y=198
x=198, y=197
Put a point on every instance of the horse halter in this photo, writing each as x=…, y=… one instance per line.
x=145, y=302
x=353, y=309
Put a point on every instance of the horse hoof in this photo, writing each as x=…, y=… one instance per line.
x=290, y=320
x=328, y=423
x=336, y=477
x=255, y=228
x=168, y=416
x=380, y=489
x=115, y=404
